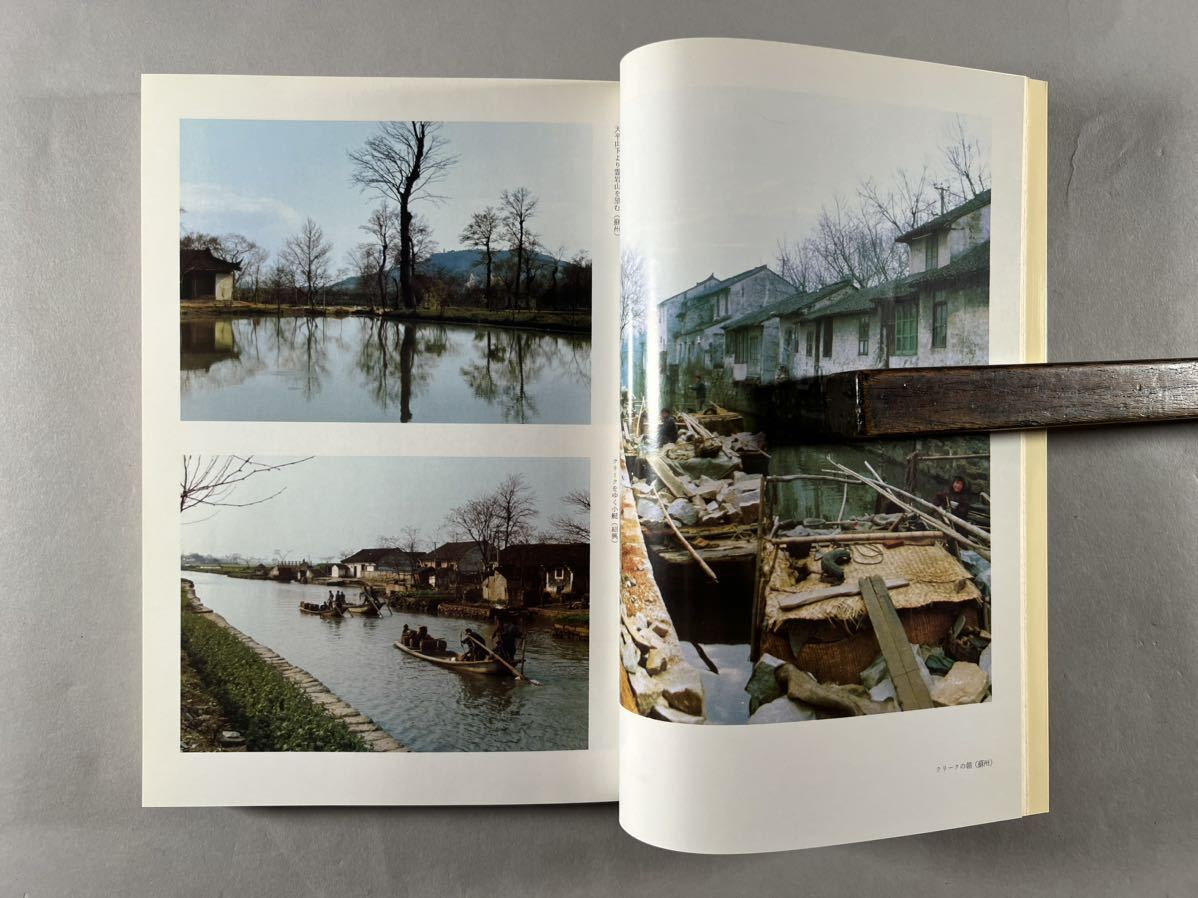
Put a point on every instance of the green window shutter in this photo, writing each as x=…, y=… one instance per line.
x=906, y=328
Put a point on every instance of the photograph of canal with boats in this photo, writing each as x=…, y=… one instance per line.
x=464, y=627
x=413, y=271
x=768, y=577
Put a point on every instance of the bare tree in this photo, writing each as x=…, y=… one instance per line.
x=967, y=165
x=401, y=162
x=518, y=208
x=362, y=263
x=566, y=527
x=482, y=233
x=799, y=263
x=410, y=543
x=423, y=244
x=633, y=290
x=515, y=511
x=308, y=255
x=212, y=480
x=908, y=202
x=474, y=521
x=383, y=229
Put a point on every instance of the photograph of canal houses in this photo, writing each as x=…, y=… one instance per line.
x=384, y=604
x=768, y=578
x=399, y=271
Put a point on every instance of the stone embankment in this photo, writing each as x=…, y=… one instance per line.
x=319, y=694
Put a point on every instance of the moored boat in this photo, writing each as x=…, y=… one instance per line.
x=321, y=610
x=454, y=661
x=366, y=609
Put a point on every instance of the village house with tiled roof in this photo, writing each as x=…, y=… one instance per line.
x=936, y=314
x=205, y=276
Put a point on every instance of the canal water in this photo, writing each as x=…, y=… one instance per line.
x=369, y=370
x=425, y=707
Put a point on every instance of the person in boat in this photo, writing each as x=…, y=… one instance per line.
x=330, y=603
x=956, y=499
x=507, y=635
x=667, y=428
x=700, y=389
x=473, y=652
x=405, y=638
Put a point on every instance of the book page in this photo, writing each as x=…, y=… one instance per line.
x=372, y=438
x=820, y=643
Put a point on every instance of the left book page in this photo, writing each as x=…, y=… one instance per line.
x=372, y=320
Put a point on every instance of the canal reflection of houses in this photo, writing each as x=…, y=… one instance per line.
x=755, y=328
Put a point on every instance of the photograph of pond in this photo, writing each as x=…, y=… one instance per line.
x=410, y=271
x=384, y=604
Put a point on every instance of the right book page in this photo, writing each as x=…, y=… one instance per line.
x=824, y=643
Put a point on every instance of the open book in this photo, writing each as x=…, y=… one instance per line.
x=470, y=464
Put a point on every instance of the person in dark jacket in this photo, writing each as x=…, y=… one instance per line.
x=700, y=392
x=667, y=428
x=956, y=500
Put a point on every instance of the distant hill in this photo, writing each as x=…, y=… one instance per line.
x=454, y=261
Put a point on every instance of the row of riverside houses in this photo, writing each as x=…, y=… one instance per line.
x=527, y=574
x=755, y=328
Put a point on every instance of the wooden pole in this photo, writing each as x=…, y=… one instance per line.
x=515, y=673
x=943, y=528
x=682, y=539
x=861, y=536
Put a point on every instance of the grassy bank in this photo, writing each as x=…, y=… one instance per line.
x=541, y=319
x=270, y=712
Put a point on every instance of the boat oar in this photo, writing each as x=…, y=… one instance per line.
x=515, y=673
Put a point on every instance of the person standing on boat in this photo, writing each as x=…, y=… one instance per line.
x=506, y=636
x=332, y=602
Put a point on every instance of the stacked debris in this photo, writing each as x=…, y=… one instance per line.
x=655, y=678
x=831, y=601
x=697, y=481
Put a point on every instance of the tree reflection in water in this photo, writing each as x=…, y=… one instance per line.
x=366, y=368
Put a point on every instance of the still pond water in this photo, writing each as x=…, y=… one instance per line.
x=368, y=370
x=425, y=707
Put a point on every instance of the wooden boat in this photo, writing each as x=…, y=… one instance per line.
x=321, y=610
x=366, y=609
x=453, y=661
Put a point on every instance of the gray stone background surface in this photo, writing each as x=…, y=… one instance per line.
x=1123, y=226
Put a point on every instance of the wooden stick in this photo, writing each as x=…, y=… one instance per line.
x=682, y=539
x=515, y=672
x=858, y=536
x=799, y=599
x=787, y=478
x=928, y=519
x=663, y=472
x=961, y=522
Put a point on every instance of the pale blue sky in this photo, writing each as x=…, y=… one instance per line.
x=335, y=503
x=262, y=178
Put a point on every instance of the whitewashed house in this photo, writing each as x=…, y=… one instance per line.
x=205, y=276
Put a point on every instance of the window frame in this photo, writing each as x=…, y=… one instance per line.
x=906, y=327
x=931, y=252
x=863, y=335
x=939, y=322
